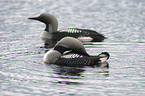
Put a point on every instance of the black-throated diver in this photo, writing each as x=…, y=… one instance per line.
x=75, y=55
x=52, y=33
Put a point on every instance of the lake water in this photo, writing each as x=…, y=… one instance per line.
x=23, y=73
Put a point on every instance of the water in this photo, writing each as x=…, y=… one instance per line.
x=23, y=73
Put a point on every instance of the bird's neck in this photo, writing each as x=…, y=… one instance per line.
x=50, y=28
x=61, y=48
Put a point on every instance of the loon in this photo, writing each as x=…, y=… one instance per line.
x=51, y=31
x=69, y=51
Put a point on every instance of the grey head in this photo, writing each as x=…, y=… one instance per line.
x=49, y=20
x=73, y=44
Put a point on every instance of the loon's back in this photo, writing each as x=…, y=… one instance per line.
x=78, y=62
x=79, y=33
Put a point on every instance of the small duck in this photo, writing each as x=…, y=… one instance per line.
x=70, y=51
x=51, y=31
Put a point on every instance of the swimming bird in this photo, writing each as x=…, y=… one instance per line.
x=51, y=30
x=70, y=51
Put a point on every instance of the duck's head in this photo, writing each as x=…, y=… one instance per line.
x=49, y=20
x=72, y=44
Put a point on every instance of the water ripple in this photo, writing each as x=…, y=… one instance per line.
x=22, y=69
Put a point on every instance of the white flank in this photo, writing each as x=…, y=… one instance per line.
x=85, y=38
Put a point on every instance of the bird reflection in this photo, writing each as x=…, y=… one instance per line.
x=69, y=71
x=67, y=75
x=75, y=75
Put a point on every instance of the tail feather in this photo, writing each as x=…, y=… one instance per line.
x=104, y=56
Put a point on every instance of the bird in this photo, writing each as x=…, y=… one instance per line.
x=51, y=31
x=69, y=51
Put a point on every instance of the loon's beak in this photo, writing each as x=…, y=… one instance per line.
x=33, y=18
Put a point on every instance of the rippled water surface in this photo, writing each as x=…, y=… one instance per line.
x=23, y=73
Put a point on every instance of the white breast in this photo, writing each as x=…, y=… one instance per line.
x=46, y=35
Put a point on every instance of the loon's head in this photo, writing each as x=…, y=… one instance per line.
x=49, y=20
x=74, y=45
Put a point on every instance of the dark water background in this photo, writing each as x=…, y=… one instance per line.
x=23, y=73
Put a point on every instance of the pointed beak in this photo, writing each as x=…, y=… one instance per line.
x=33, y=18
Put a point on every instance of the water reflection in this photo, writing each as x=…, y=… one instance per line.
x=76, y=75
x=103, y=73
x=69, y=71
x=102, y=65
